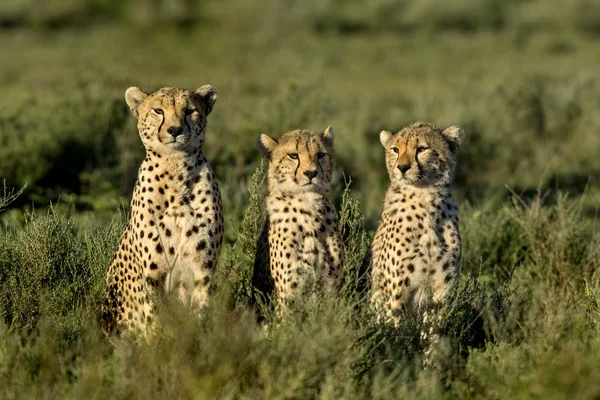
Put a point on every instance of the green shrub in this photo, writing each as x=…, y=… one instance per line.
x=49, y=270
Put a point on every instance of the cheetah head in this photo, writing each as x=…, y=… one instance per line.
x=171, y=119
x=421, y=154
x=301, y=161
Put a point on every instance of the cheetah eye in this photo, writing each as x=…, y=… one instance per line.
x=395, y=150
x=189, y=111
x=422, y=148
x=320, y=155
x=157, y=111
x=293, y=156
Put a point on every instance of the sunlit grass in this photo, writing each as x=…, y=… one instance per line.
x=521, y=77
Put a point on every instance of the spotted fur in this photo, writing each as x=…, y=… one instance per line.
x=300, y=241
x=173, y=238
x=416, y=249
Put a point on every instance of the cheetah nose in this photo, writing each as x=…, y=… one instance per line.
x=403, y=168
x=310, y=174
x=175, y=130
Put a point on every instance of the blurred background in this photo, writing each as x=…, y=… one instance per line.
x=522, y=76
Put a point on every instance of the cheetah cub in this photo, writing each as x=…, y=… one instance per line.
x=300, y=241
x=173, y=238
x=416, y=249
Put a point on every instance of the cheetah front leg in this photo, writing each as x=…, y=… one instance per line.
x=432, y=322
x=190, y=281
x=202, y=272
x=202, y=278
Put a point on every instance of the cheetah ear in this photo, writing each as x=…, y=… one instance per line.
x=266, y=145
x=134, y=96
x=209, y=95
x=384, y=137
x=328, y=136
x=454, y=135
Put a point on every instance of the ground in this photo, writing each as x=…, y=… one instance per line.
x=520, y=76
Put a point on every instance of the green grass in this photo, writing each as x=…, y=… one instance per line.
x=520, y=76
x=538, y=318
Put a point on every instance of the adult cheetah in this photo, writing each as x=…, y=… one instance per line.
x=173, y=238
x=416, y=249
x=300, y=242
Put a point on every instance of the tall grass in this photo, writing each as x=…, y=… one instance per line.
x=504, y=331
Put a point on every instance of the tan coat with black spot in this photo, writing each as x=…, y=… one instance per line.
x=300, y=242
x=173, y=238
x=415, y=252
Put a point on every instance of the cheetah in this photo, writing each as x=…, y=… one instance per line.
x=174, y=235
x=300, y=241
x=414, y=256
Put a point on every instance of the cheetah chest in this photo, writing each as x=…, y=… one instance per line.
x=417, y=244
x=297, y=236
x=183, y=233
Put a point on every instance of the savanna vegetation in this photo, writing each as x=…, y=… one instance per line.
x=521, y=76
